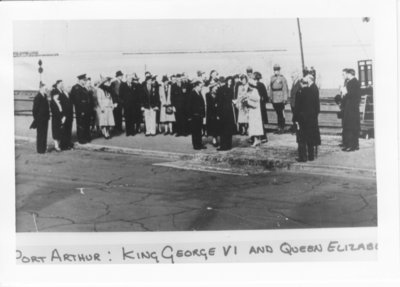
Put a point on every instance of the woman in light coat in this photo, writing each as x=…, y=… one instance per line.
x=243, y=114
x=104, y=107
x=256, y=128
x=167, y=113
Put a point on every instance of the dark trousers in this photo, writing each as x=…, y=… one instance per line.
x=306, y=151
x=118, y=117
x=226, y=142
x=196, y=125
x=41, y=137
x=279, y=108
x=83, y=128
x=180, y=124
x=350, y=138
x=67, y=133
x=129, y=123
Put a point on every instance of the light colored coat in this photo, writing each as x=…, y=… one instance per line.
x=104, y=108
x=255, y=119
x=165, y=99
x=243, y=116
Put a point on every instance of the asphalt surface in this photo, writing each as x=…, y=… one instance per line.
x=89, y=191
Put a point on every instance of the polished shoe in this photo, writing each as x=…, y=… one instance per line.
x=222, y=149
x=203, y=147
x=301, y=160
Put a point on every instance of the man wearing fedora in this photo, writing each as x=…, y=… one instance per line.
x=116, y=96
x=279, y=92
x=83, y=104
x=41, y=116
x=127, y=94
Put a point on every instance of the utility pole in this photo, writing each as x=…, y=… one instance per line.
x=40, y=70
x=301, y=44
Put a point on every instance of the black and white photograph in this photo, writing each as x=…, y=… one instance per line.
x=194, y=125
x=199, y=143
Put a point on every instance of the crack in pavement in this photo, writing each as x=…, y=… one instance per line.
x=271, y=210
x=108, y=183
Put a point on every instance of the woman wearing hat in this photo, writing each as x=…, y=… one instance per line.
x=243, y=115
x=211, y=113
x=167, y=113
x=58, y=117
x=256, y=128
x=68, y=111
x=104, y=107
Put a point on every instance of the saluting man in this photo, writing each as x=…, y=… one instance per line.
x=83, y=109
x=279, y=91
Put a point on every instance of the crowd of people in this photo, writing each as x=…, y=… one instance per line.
x=205, y=106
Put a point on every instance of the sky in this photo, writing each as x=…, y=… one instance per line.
x=96, y=47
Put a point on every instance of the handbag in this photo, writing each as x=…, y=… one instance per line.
x=169, y=110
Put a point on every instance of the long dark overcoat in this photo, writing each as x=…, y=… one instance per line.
x=306, y=111
x=262, y=91
x=225, y=111
x=351, y=106
x=57, y=127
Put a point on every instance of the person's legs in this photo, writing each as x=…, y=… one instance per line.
x=355, y=140
x=147, y=120
x=87, y=135
x=41, y=138
x=279, y=107
x=196, y=133
x=153, y=123
x=310, y=152
x=128, y=123
x=302, y=151
x=80, y=130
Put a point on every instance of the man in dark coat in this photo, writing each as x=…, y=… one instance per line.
x=136, y=102
x=307, y=108
x=117, y=99
x=128, y=96
x=68, y=111
x=178, y=100
x=196, y=112
x=41, y=116
x=226, y=116
x=351, y=111
x=83, y=104
x=296, y=85
x=262, y=91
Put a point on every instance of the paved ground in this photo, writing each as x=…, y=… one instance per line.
x=279, y=148
x=94, y=191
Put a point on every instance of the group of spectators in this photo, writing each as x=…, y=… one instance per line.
x=208, y=105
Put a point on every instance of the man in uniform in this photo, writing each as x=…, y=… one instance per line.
x=83, y=104
x=279, y=91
